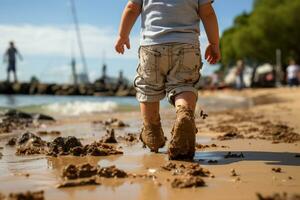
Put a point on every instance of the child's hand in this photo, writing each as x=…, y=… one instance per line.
x=121, y=42
x=212, y=54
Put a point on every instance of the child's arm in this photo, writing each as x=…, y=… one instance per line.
x=210, y=22
x=130, y=15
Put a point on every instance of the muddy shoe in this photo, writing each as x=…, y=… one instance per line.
x=182, y=145
x=152, y=136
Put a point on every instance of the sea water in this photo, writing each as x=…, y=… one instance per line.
x=67, y=105
x=76, y=105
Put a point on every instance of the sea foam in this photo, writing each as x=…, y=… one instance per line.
x=80, y=107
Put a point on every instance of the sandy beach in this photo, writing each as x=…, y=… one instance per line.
x=243, y=152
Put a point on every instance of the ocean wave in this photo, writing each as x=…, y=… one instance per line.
x=80, y=107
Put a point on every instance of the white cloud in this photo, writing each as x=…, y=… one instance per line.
x=58, y=40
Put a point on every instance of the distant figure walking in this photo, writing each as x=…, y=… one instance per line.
x=292, y=73
x=240, y=67
x=10, y=57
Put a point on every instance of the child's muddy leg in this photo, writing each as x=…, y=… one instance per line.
x=152, y=134
x=150, y=112
x=186, y=99
x=182, y=144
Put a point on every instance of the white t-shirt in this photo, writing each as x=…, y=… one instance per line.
x=292, y=71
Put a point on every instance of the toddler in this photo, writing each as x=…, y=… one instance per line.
x=169, y=65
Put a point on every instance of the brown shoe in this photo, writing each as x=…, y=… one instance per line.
x=182, y=145
x=152, y=136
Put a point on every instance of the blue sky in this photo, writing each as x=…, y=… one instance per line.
x=44, y=33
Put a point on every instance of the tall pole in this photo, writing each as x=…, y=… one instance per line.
x=278, y=67
x=79, y=40
x=103, y=66
x=74, y=74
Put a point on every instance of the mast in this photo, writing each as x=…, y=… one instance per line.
x=74, y=74
x=104, y=67
x=79, y=40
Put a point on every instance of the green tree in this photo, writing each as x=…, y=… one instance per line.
x=255, y=36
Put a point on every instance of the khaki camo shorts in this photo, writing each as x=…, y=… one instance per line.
x=167, y=69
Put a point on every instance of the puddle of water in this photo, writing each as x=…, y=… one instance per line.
x=208, y=156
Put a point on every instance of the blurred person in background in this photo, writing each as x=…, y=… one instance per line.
x=240, y=67
x=10, y=57
x=293, y=73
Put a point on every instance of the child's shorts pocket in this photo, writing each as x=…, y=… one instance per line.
x=148, y=66
x=190, y=65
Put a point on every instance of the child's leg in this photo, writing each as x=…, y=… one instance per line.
x=183, y=94
x=152, y=133
x=150, y=86
x=182, y=145
x=186, y=99
x=150, y=113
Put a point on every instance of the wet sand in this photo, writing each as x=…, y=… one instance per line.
x=254, y=170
